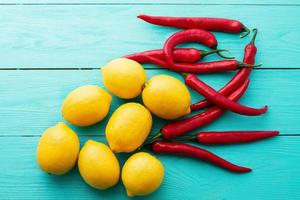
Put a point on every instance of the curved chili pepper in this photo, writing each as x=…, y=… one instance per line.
x=249, y=58
x=184, y=55
x=178, y=128
x=191, y=35
x=206, y=23
x=203, y=67
x=196, y=152
x=202, y=88
x=229, y=137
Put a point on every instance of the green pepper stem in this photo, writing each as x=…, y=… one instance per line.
x=184, y=74
x=221, y=55
x=254, y=36
x=152, y=139
x=186, y=138
x=206, y=53
x=245, y=29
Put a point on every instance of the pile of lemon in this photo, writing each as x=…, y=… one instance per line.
x=127, y=129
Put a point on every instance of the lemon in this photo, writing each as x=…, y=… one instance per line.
x=128, y=127
x=166, y=97
x=142, y=174
x=86, y=105
x=124, y=77
x=58, y=149
x=98, y=166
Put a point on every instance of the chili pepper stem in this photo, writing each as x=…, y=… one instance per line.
x=156, y=136
x=152, y=139
x=254, y=36
x=206, y=53
x=186, y=138
x=241, y=65
x=245, y=29
x=145, y=146
x=184, y=74
x=221, y=55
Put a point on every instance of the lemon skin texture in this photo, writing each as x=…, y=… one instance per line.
x=142, y=174
x=124, y=78
x=86, y=105
x=58, y=149
x=98, y=165
x=128, y=127
x=166, y=97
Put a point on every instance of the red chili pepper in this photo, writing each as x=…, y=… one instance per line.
x=201, y=68
x=206, y=23
x=184, y=55
x=250, y=50
x=249, y=58
x=230, y=137
x=196, y=152
x=178, y=128
x=202, y=88
x=191, y=35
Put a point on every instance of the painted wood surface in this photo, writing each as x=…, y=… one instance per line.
x=40, y=96
x=73, y=36
x=274, y=163
x=53, y=38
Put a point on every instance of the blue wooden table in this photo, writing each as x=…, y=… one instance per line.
x=49, y=47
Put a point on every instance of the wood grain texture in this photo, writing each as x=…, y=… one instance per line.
x=31, y=100
x=70, y=36
x=274, y=176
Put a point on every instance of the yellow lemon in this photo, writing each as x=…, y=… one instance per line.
x=58, y=149
x=98, y=165
x=128, y=127
x=166, y=97
x=142, y=174
x=86, y=105
x=124, y=77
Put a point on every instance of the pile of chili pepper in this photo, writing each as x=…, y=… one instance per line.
x=170, y=139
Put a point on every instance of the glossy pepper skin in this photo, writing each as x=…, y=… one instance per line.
x=206, y=23
x=231, y=137
x=196, y=152
x=190, y=35
x=182, y=55
x=243, y=74
x=202, y=67
x=233, y=84
x=181, y=127
x=202, y=88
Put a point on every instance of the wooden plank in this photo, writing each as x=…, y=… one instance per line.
x=89, y=36
x=273, y=161
x=217, y=2
x=31, y=100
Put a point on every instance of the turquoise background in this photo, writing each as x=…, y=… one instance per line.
x=49, y=47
